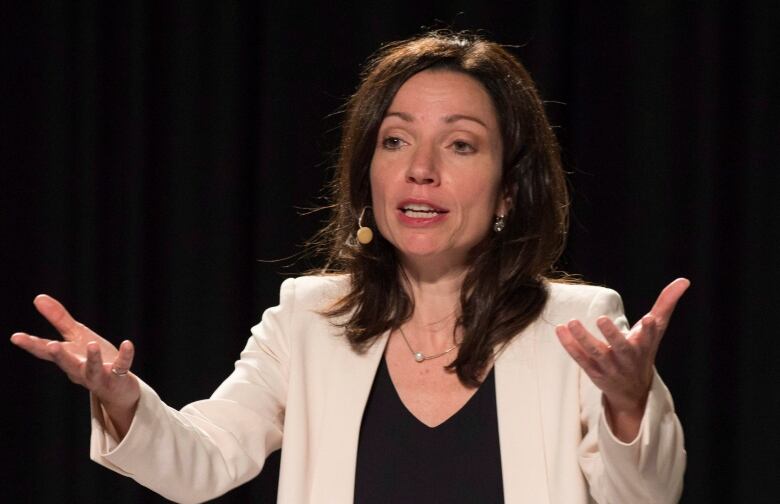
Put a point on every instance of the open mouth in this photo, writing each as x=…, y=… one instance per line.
x=421, y=211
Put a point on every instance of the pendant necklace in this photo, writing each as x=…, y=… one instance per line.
x=419, y=356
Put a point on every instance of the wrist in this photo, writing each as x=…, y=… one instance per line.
x=624, y=417
x=625, y=405
x=119, y=407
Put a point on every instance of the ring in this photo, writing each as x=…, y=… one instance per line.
x=119, y=372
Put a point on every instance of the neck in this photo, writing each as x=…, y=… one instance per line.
x=436, y=300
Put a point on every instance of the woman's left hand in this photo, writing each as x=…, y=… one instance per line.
x=623, y=366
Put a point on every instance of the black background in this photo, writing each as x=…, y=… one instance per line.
x=153, y=152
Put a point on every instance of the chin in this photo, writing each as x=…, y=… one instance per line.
x=422, y=253
x=420, y=245
x=426, y=251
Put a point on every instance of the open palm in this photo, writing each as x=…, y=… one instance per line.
x=85, y=357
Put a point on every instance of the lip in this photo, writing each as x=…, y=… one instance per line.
x=421, y=221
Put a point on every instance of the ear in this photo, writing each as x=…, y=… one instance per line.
x=503, y=207
x=505, y=202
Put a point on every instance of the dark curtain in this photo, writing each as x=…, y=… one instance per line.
x=157, y=159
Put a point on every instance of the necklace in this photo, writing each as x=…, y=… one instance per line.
x=419, y=356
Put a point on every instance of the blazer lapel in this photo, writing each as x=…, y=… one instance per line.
x=347, y=392
x=523, y=463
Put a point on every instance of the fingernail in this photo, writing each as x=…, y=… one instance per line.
x=41, y=298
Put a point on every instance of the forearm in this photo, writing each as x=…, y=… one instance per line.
x=188, y=456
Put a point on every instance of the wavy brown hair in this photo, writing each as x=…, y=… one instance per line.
x=504, y=289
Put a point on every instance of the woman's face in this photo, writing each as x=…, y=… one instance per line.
x=436, y=169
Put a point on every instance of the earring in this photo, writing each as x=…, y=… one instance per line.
x=499, y=223
x=364, y=233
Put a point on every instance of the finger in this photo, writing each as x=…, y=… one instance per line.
x=613, y=335
x=93, y=372
x=580, y=356
x=650, y=335
x=57, y=315
x=32, y=344
x=595, y=348
x=124, y=359
x=68, y=362
x=664, y=306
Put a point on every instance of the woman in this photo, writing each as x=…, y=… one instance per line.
x=434, y=359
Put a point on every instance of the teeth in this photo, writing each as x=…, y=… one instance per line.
x=420, y=211
x=419, y=207
x=420, y=215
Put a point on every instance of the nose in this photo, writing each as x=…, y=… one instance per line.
x=423, y=167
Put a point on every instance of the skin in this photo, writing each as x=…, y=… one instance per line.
x=420, y=154
x=439, y=142
x=622, y=367
x=426, y=149
x=87, y=360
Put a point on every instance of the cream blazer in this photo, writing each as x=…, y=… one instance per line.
x=299, y=386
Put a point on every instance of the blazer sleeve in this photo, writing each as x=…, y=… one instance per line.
x=650, y=468
x=214, y=445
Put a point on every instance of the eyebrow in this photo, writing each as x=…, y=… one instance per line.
x=447, y=119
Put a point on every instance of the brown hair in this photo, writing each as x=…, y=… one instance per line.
x=504, y=289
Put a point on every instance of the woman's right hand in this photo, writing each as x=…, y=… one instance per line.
x=88, y=360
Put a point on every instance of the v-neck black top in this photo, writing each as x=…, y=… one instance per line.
x=402, y=460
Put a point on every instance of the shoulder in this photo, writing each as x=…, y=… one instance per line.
x=582, y=301
x=302, y=303
x=561, y=292
x=314, y=292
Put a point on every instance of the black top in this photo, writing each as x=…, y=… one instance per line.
x=402, y=460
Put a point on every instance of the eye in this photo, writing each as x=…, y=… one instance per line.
x=462, y=147
x=392, y=143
